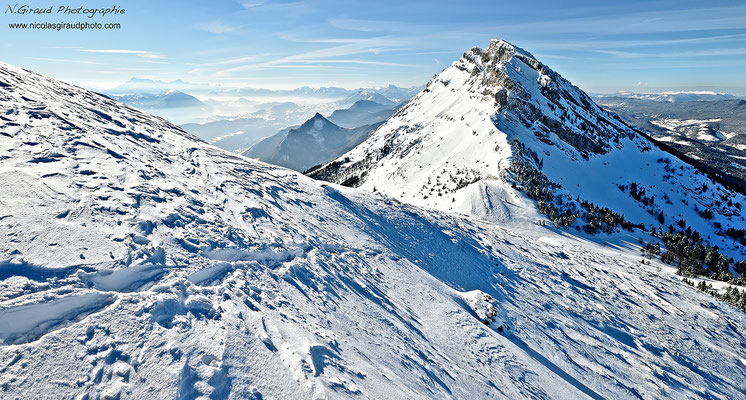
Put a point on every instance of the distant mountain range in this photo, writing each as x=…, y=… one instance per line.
x=320, y=140
x=236, y=118
x=240, y=133
x=162, y=100
x=315, y=142
x=673, y=97
x=143, y=85
x=713, y=131
x=362, y=112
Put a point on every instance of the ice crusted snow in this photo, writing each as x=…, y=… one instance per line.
x=25, y=323
x=139, y=262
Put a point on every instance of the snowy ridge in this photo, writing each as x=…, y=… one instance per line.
x=169, y=268
x=461, y=144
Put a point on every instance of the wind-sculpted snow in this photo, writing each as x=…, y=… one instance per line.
x=25, y=323
x=139, y=262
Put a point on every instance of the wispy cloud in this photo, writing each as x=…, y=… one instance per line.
x=584, y=44
x=682, y=54
x=65, y=60
x=683, y=20
x=234, y=60
x=326, y=55
x=366, y=25
x=139, y=53
x=365, y=62
x=218, y=27
x=115, y=51
x=314, y=41
x=251, y=3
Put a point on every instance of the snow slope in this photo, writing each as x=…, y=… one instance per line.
x=139, y=262
x=452, y=147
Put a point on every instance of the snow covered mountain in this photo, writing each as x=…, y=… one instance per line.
x=498, y=124
x=671, y=97
x=144, y=85
x=367, y=95
x=316, y=142
x=174, y=105
x=167, y=99
x=398, y=94
x=362, y=112
x=137, y=261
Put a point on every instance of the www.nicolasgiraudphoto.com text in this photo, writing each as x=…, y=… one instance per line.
x=64, y=11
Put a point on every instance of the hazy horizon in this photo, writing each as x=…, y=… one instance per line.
x=616, y=46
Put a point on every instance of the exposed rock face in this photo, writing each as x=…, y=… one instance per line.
x=497, y=120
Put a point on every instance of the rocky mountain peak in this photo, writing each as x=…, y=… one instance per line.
x=527, y=92
x=316, y=122
x=498, y=120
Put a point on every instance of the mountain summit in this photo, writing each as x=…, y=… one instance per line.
x=137, y=261
x=316, y=141
x=498, y=134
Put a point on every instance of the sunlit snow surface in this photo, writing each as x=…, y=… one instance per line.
x=450, y=148
x=139, y=262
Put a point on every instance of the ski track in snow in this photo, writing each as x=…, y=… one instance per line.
x=139, y=262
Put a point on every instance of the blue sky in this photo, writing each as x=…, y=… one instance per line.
x=601, y=46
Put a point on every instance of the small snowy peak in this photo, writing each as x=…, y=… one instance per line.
x=319, y=122
x=368, y=95
x=313, y=126
x=361, y=113
x=367, y=105
x=315, y=142
x=316, y=122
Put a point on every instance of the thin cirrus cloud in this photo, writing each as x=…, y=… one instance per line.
x=252, y=3
x=328, y=55
x=683, y=54
x=313, y=41
x=365, y=25
x=687, y=20
x=139, y=53
x=364, y=62
x=218, y=27
x=232, y=60
x=66, y=60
